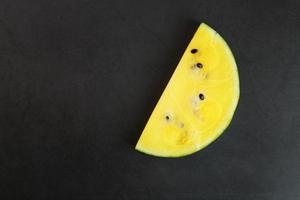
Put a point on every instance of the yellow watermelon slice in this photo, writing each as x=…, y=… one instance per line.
x=199, y=101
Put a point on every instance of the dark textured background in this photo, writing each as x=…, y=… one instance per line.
x=79, y=78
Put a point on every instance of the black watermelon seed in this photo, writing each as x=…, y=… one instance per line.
x=199, y=65
x=194, y=51
x=201, y=96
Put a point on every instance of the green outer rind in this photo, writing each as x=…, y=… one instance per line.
x=226, y=123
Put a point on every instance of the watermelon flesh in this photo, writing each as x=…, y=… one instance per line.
x=198, y=102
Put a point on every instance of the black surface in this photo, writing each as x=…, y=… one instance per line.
x=79, y=79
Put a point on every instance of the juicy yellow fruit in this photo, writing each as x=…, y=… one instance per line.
x=199, y=101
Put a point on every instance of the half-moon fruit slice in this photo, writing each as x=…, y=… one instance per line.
x=199, y=101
